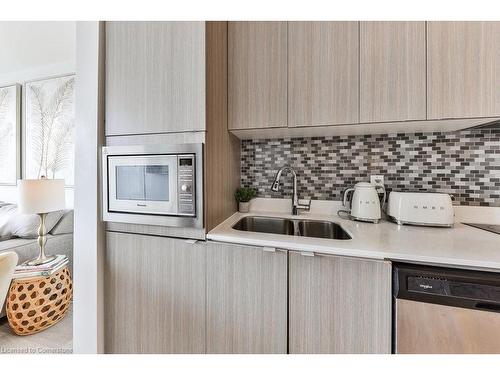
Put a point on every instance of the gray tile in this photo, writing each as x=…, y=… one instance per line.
x=464, y=163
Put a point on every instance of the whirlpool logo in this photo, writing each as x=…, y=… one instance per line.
x=425, y=286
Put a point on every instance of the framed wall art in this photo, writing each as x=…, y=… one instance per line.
x=10, y=120
x=48, y=130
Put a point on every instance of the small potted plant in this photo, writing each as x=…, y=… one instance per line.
x=243, y=196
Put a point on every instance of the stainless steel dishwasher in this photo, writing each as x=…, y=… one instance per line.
x=444, y=310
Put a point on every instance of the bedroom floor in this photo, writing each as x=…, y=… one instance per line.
x=57, y=339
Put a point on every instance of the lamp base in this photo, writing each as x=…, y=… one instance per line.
x=39, y=261
x=42, y=239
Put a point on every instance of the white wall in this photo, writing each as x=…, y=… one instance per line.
x=89, y=241
x=33, y=50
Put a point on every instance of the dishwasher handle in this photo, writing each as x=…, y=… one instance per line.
x=493, y=307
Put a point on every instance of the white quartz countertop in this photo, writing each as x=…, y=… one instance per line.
x=460, y=246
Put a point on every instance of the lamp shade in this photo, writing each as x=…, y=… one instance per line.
x=40, y=196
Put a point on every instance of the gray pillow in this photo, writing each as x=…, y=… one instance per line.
x=26, y=226
x=65, y=225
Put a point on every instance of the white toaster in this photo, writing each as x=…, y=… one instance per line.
x=432, y=209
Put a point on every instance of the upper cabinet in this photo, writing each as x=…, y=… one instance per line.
x=322, y=73
x=392, y=71
x=463, y=69
x=257, y=74
x=301, y=78
x=155, y=77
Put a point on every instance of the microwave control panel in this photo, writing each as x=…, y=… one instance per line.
x=185, y=185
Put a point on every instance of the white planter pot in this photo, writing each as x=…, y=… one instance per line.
x=244, y=207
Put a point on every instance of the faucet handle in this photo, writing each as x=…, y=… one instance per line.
x=304, y=204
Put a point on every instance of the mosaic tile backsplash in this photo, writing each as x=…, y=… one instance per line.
x=465, y=164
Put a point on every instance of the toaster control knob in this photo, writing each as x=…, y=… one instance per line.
x=185, y=187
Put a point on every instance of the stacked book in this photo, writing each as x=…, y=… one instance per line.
x=24, y=271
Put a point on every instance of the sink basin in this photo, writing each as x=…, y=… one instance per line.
x=292, y=227
x=265, y=225
x=322, y=229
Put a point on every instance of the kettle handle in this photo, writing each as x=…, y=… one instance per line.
x=346, y=193
x=385, y=195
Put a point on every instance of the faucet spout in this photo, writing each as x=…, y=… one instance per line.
x=295, y=199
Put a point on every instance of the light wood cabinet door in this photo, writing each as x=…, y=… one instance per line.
x=392, y=71
x=463, y=69
x=155, y=77
x=246, y=299
x=155, y=295
x=339, y=305
x=323, y=73
x=257, y=74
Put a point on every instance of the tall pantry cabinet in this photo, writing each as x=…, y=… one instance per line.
x=166, y=82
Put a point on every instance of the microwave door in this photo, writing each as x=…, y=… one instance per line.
x=143, y=184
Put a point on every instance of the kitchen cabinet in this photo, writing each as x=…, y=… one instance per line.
x=154, y=295
x=463, y=69
x=155, y=77
x=166, y=82
x=348, y=78
x=246, y=299
x=322, y=73
x=166, y=295
x=339, y=305
x=257, y=74
x=392, y=71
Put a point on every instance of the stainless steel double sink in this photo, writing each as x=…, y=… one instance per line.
x=292, y=227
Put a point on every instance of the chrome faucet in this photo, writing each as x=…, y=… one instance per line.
x=296, y=206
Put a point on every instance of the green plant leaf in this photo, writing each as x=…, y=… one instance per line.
x=244, y=194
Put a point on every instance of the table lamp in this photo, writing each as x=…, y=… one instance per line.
x=41, y=197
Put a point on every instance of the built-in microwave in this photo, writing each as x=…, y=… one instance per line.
x=153, y=184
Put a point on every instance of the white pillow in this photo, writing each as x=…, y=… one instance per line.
x=6, y=211
x=26, y=226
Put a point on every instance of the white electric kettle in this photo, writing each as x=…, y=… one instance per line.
x=365, y=202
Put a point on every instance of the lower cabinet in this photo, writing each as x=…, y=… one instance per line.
x=154, y=295
x=166, y=295
x=339, y=305
x=246, y=299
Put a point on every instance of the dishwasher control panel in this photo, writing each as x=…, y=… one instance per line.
x=427, y=285
x=447, y=286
